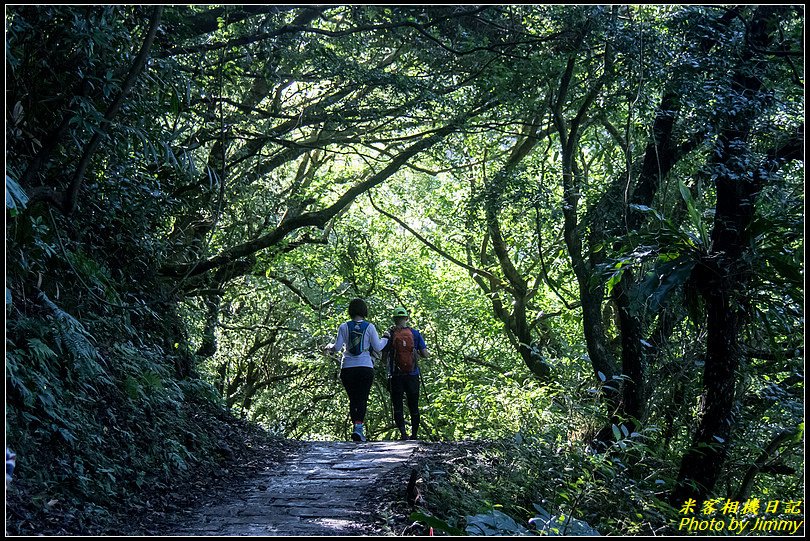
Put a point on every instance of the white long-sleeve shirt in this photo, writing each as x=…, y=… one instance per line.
x=371, y=340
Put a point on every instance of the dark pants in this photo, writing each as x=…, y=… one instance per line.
x=357, y=382
x=408, y=386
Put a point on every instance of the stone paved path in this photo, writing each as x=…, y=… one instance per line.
x=320, y=490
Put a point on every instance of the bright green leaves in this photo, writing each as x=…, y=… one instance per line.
x=696, y=221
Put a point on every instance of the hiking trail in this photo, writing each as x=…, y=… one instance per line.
x=323, y=488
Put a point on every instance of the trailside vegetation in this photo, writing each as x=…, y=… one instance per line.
x=594, y=214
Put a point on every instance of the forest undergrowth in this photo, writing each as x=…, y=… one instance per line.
x=64, y=497
x=523, y=487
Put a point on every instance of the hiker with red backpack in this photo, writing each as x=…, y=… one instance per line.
x=357, y=367
x=402, y=350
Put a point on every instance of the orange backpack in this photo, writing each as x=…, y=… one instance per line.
x=402, y=352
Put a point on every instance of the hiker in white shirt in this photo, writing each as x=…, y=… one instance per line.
x=357, y=366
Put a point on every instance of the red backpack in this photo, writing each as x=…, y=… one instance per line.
x=402, y=353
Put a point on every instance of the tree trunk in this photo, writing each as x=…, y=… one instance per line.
x=720, y=278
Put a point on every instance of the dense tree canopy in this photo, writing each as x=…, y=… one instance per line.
x=594, y=214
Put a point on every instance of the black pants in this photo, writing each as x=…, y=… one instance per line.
x=408, y=386
x=357, y=382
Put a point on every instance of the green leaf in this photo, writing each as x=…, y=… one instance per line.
x=494, y=523
x=694, y=215
x=613, y=280
x=16, y=198
x=787, y=268
x=40, y=349
x=66, y=435
x=653, y=292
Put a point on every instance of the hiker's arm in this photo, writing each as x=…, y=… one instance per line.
x=421, y=346
x=375, y=342
x=386, y=339
x=339, y=341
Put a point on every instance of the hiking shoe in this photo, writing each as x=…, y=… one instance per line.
x=357, y=433
x=403, y=436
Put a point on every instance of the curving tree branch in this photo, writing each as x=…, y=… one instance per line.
x=317, y=219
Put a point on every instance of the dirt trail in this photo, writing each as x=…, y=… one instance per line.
x=322, y=489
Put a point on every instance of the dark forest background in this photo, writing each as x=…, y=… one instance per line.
x=594, y=214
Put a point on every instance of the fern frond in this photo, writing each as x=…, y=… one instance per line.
x=74, y=337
